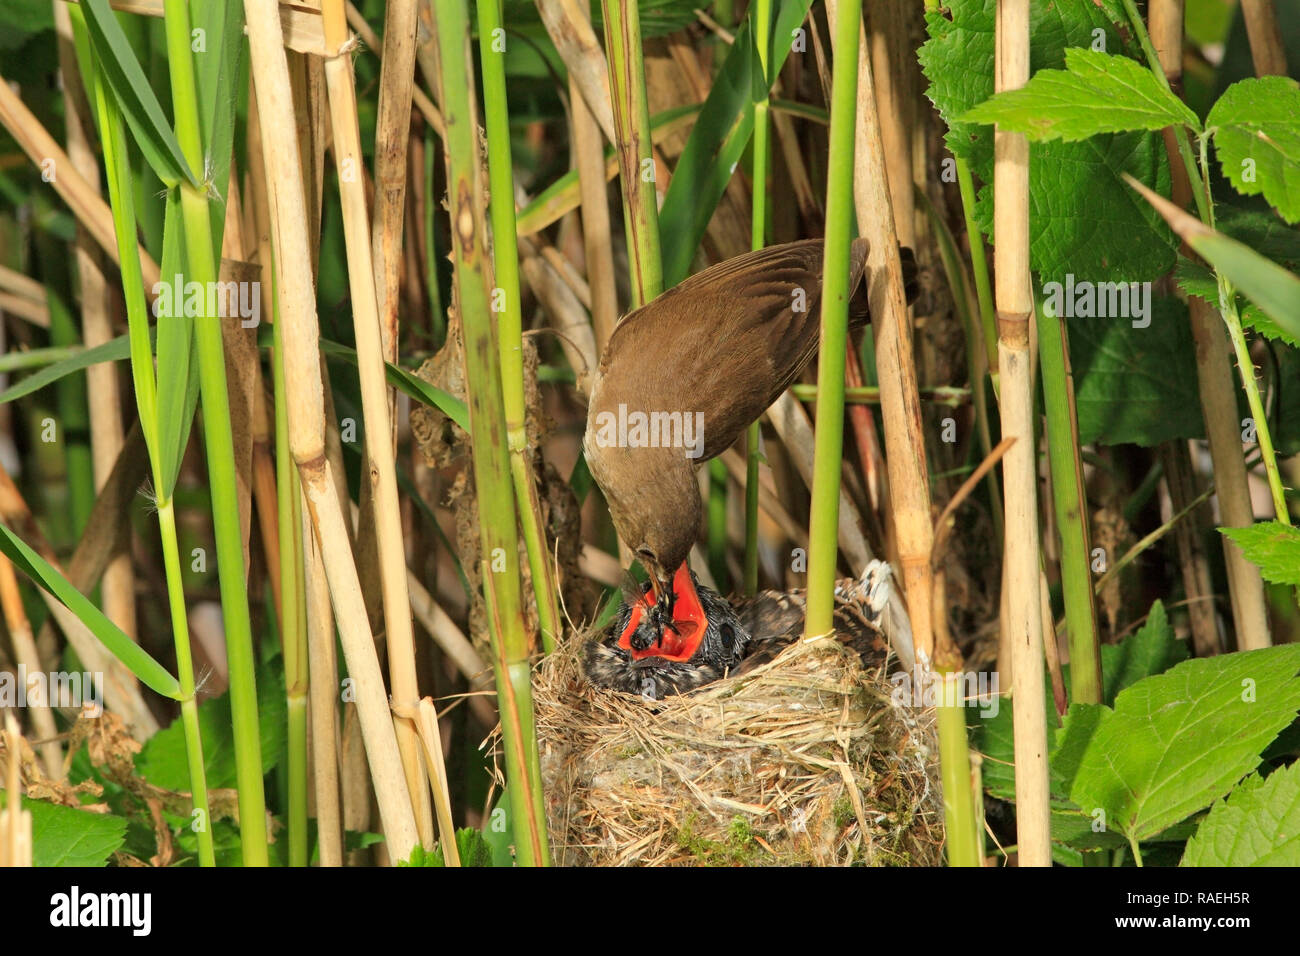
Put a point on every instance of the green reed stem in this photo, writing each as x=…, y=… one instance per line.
x=201, y=260
x=829, y=442
x=119, y=180
x=961, y=819
x=758, y=239
x=505, y=258
x=1071, y=504
x=492, y=475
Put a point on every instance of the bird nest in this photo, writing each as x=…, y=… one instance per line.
x=805, y=760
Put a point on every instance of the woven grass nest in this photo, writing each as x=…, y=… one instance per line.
x=803, y=761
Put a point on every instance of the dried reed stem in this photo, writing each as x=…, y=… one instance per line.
x=1015, y=304
x=306, y=410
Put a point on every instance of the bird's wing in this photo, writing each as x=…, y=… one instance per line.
x=726, y=342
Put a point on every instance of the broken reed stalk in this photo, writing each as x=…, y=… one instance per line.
x=505, y=255
x=633, y=144
x=15, y=822
x=823, y=522
x=1015, y=304
x=392, y=138
x=900, y=403
x=1213, y=370
x=106, y=431
x=758, y=239
x=1071, y=504
x=499, y=562
x=306, y=414
x=381, y=470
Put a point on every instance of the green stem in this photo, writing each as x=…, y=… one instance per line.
x=829, y=441
x=202, y=262
x=121, y=198
x=202, y=821
x=961, y=823
x=505, y=256
x=758, y=239
x=980, y=267
x=293, y=602
x=1071, y=507
x=492, y=475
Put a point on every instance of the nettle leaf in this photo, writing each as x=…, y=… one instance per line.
x=1083, y=218
x=1136, y=385
x=1257, y=825
x=1272, y=547
x=1198, y=281
x=1256, y=127
x=164, y=761
x=1153, y=649
x=64, y=836
x=1095, y=93
x=1176, y=742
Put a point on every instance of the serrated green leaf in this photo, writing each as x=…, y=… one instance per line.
x=1272, y=547
x=1257, y=825
x=1081, y=219
x=1256, y=127
x=1095, y=93
x=65, y=836
x=1136, y=385
x=135, y=659
x=1176, y=742
x=164, y=763
x=1152, y=649
x=118, y=65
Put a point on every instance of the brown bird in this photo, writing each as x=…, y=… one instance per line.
x=680, y=380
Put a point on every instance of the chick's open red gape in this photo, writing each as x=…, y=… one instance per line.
x=680, y=641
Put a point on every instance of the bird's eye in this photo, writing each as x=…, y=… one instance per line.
x=645, y=553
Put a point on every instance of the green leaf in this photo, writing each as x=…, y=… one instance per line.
x=1272, y=547
x=1256, y=127
x=1176, y=742
x=64, y=836
x=411, y=385
x=120, y=68
x=163, y=761
x=217, y=77
x=1136, y=385
x=1083, y=217
x=1153, y=649
x=472, y=849
x=1257, y=825
x=1095, y=93
x=1275, y=290
x=136, y=660
x=718, y=141
x=178, y=379
x=111, y=351
x=1199, y=282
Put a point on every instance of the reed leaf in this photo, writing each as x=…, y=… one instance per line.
x=152, y=674
x=119, y=67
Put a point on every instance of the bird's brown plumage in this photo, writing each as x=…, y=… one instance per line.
x=725, y=343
